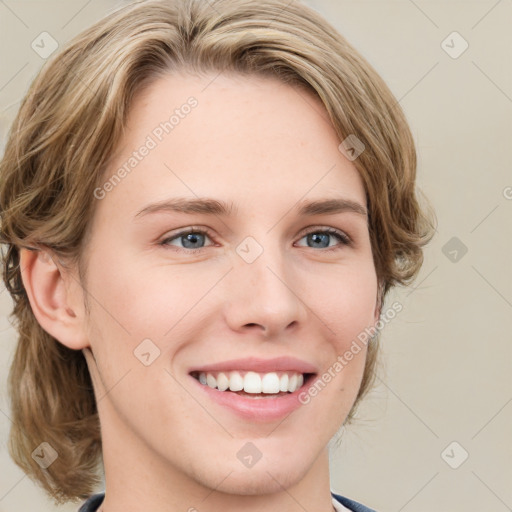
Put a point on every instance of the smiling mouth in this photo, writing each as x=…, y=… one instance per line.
x=270, y=384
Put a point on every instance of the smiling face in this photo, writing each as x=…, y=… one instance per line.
x=264, y=277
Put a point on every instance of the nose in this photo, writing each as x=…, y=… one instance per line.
x=264, y=296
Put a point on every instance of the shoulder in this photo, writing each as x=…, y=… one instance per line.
x=92, y=504
x=352, y=505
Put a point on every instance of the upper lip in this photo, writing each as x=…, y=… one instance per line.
x=255, y=364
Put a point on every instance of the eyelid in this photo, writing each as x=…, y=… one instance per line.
x=345, y=239
x=186, y=231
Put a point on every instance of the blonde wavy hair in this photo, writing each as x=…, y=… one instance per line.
x=71, y=121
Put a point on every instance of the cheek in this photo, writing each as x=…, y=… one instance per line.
x=144, y=302
x=344, y=299
x=347, y=310
x=134, y=302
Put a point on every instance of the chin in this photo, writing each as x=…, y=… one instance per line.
x=262, y=480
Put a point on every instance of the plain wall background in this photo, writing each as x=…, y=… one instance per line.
x=446, y=374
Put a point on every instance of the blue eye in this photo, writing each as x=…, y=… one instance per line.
x=193, y=239
x=189, y=238
x=322, y=236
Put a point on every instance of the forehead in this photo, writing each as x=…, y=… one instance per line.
x=229, y=136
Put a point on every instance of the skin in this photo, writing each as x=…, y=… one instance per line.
x=265, y=146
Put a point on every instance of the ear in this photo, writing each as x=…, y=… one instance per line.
x=56, y=297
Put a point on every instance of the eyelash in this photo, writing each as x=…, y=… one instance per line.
x=342, y=237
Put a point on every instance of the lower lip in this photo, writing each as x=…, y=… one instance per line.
x=256, y=409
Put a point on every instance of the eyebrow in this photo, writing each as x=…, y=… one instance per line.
x=210, y=206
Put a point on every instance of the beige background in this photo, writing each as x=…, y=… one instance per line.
x=447, y=356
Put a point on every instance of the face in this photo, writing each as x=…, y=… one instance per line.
x=176, y=290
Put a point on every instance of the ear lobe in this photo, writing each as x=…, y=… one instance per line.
x=52, y=293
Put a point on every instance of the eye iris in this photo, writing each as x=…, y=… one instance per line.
x=315, y=237
x=191, y=237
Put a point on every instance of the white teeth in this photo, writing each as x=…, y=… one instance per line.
x=222, y=382
x=252, y=382
x=270, y=383
x=292, y=383
x=236, y=382
x=211, y=381
x=283, y=382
